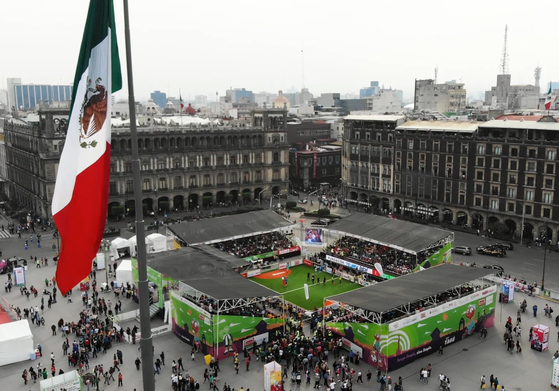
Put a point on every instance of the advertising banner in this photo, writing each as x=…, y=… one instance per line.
x=19, y=276
x=231, y=331
x=391, y=346
x=164, y=283
x=259, y=256
x=308, y=262
x=192, y=324
x=293, y=249
x=359, y=268
x=272, y=377
x=314, y=236
x=442, y=256
x=555, y=373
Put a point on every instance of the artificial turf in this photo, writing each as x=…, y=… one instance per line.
x=294, y=291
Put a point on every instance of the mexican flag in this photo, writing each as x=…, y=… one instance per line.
x=79, y=204
x=182, y=104
x=548, y=99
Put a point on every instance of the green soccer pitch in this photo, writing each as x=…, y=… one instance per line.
x=294, y=292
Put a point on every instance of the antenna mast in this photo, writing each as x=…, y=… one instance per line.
x=537, y=75
x=436, y=74
x=505, y=57
x=302, y=69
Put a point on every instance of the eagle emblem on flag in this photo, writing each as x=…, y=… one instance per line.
x=93, y=112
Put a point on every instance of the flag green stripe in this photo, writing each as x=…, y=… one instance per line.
x=100, y=17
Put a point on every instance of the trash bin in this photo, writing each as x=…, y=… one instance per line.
x=32, y=356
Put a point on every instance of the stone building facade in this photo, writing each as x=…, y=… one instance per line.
x=183, y=167
x=466, y=173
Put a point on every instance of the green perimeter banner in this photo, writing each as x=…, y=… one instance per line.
x=192, y=324
x=442, y=256
x=393, y=345
x=229, y=333
x=164, y=283
x=259, y=256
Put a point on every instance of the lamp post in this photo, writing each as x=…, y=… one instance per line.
x=260, y=194
x=544, y=258
x=522, y=225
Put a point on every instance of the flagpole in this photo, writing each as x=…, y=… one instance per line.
x=146, y=343
x=180, y=105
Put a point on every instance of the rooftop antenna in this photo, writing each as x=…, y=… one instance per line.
x=436, y=74
x=537, y=75
x=302, y=68
x=505, y=57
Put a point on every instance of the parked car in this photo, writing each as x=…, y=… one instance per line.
x=303, y=201
x=464, y=250
x=496, y=267
x=321, y=222
x=505, y=246
x=13, y=263
x=491, y=250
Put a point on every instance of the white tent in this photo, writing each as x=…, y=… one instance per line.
x=156, y=243
x=119, y=246
x=124, y=272
x=16, y=342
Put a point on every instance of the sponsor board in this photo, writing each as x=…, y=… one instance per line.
x=308, y=263
x=293, y=249
x=252, y=273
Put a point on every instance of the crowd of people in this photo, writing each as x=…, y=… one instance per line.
x=255, y=245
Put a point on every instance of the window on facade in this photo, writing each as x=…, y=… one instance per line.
x=435, y=168
x=511, y=192
x=450, y=147
x=479, y=188
x=532, y=153
x=207, y=180
x=129, y=186
x=512, y=179
x=146, y=184
x=276, y=175
x=449, y=159
x=162, y=183
x=495, y=190
x=510, y=206
x=514, y=151
x=423, y=145
x=550, y=154
x=145, y=167
x=177, y=182
x=245, y=159
x=367, y=136
x=176, y=163
x=232, y=159
x=161, y=164
x=112, y=188
x=480, y=149
x=128, y=167
x=465, y=149
x=550, y=168
x=410, y=144
x=513, y=165
x=276, y=157
x=379, y=137
x=528, y=209
x=547, y=198
x=463, y=160
x=192, y=181
x=494, y=204
x=477, y=201
x=496, y=163
x=192, y=163
x=206, y=162
x=479, y=175
x=324, y=172
x=436, y=146
x=220, y=160
x=495, y=177
x=530, y=181
x=233, y=177
x=399, y=143
x=529, y=195
x=246, y=177
x=220, y=179
x=480, y=162
x=548, y=183
x=357, y=135
x=497, y=150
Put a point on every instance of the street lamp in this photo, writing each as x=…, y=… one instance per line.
x=544, y=257
x=522, y=226
x=259, y=194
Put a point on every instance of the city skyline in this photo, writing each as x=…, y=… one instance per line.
x=255, y=46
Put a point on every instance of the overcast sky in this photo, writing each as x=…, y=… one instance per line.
x=204, y=47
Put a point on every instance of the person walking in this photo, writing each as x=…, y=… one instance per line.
x=137, y=362
x=120, y=379
x=162, y=355
x=482, y=382
x=248, y=362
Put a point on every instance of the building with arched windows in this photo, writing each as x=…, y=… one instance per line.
x=184, y=167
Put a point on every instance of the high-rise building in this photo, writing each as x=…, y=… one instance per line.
x=447, y=97
x=28, y=96
x=159, y=98
x=512, y=97
x=373, y=89
x=200, y=101
x=239, y=95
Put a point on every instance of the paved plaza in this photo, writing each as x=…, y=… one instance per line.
x=463, y=362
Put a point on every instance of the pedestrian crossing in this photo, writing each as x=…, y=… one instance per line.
x=5, y=234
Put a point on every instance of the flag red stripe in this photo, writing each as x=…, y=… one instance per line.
x=82, y=222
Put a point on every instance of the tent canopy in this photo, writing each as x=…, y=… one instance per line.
x=206, y=273
x=390, y=294
x=399, y=234
x=229, y=227
x=120, y=243
x=16, y=342
x=157, y=242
